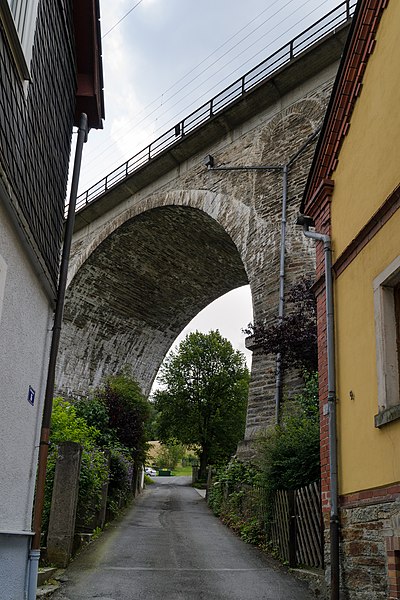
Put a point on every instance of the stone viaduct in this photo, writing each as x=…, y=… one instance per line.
x=158, y=240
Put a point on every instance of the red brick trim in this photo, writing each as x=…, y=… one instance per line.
x=372, y=496
x=365, y=235
x=347, y=89
x=321, y=198
x=393, y=566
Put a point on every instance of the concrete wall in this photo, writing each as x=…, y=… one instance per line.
x=145, y=267
x=13, y=565
x=25, y=323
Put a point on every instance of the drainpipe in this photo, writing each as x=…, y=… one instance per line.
x=34, y=554
x=281, y=303
x=284, y=169
x=333, y=466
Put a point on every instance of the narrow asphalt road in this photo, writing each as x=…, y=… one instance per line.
x=169, y=546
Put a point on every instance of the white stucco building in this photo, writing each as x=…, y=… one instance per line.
x=50, y=72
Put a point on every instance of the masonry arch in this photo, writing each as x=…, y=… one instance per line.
x=158, y=266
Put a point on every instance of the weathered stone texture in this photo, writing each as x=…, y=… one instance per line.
x=141, y=272
x=64, y=501
x=368, y=532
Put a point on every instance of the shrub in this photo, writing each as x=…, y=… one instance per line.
x=236, y=496
x=169, y=455
x=66, y=426
x=120, y=480
x=288, y=454
x=128, y=411
x=242, y=495
x=227, y=480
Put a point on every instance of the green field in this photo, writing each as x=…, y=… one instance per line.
x=182, y=471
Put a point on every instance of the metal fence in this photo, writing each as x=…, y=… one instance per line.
x=313, y=34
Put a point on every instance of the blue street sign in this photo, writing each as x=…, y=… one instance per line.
x=31, y=396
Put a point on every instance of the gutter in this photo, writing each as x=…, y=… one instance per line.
x=306, y=222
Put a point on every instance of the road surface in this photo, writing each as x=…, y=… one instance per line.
x=169, y=546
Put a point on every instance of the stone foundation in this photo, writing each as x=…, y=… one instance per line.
x=370, y=545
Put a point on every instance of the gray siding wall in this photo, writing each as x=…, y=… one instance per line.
x=35, y=130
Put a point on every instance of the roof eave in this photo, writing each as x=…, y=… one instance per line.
x=89, y=93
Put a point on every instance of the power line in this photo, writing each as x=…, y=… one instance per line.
x=218, y=84
x=121, y=19
x=168, y=99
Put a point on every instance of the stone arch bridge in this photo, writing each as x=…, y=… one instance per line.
x=162, y=237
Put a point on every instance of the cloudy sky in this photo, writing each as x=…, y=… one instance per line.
x=162, y=59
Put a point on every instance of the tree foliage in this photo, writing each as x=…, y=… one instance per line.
x=295, y=337
x=204, y=399
x=68, y=426
x=287, y=458
x=289, y=453
x=120, y=411
x=169, y=455
x=117, y=412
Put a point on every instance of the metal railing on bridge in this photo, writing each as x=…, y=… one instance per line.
x=324, y=26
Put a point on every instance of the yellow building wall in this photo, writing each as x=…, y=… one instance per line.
x=368, y=457
x=368, y=168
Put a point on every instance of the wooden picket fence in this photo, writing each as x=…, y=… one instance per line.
x=296, y=529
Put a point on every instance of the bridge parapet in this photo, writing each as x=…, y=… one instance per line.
x=325, y=29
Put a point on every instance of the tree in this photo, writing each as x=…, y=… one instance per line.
x=128, y=411
x=120, y=412
x=169, y=455
x=204, y=399
x=295, y=337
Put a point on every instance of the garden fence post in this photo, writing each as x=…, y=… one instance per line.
x=292, y=529
x=64, y=502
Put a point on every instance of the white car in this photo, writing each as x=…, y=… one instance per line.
x=151, y=472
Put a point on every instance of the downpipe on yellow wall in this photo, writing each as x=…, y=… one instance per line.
x=307, y=222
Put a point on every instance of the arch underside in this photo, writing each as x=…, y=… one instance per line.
x=138, y=290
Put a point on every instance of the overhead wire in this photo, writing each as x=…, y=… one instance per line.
x=137, y=123
x=219, y=83
x=121, y=19
x=168, y=99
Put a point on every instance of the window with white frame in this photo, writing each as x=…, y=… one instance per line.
x=19, y=19
x=387, y=328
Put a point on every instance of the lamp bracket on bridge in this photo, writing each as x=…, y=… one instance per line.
x=209, y=163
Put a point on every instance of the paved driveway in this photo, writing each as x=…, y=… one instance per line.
x=169, y=546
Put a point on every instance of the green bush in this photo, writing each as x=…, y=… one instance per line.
x=119, y=411
x=227, y=480
x=120, y=480
x=66, y=426
x=242, y=495
x=93, y=475
x=288, y=454
x=169, y=455
x=236, y=496
x=128, y=412
x=94, y=411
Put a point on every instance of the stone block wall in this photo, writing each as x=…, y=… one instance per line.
x=370, y=545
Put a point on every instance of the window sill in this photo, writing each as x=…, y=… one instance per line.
x=387, y=416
